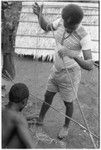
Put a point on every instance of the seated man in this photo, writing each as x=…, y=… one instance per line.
x=15, y=133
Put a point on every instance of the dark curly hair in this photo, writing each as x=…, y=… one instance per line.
x=18, y=93
x=73, y=13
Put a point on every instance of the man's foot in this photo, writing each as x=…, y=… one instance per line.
x=63, y=133
x=39, y=126
x=39, y=122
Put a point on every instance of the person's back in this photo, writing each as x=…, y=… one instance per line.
x=10, y=121
x=15, y=133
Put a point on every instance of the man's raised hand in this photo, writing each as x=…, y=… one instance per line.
x=37, y=9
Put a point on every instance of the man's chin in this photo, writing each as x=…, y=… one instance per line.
x=69, y=31
x=20, y=109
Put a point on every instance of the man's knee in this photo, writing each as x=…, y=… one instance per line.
x=49, y=96
x=68, y=104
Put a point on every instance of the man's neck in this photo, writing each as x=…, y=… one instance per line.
x=12, y=106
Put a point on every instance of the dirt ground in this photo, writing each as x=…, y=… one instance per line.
x=35, y=74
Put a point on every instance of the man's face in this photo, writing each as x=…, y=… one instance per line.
x=69, y=28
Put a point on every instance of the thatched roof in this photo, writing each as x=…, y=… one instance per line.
x=83, y=1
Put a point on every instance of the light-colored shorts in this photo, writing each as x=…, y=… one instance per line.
x=60, y=82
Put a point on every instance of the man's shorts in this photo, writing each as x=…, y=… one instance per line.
x=61, y=82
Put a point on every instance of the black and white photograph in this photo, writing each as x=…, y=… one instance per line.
x=50, y=74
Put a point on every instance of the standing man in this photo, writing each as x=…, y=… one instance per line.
x=72, y=42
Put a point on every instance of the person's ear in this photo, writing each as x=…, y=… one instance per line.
x=24, y=102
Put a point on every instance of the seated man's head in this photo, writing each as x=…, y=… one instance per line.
x=18, y=95
x=72, y=16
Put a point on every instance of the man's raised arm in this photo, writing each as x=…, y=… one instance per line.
x=43, y=23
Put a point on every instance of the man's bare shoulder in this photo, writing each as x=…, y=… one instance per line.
x=16, y=118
